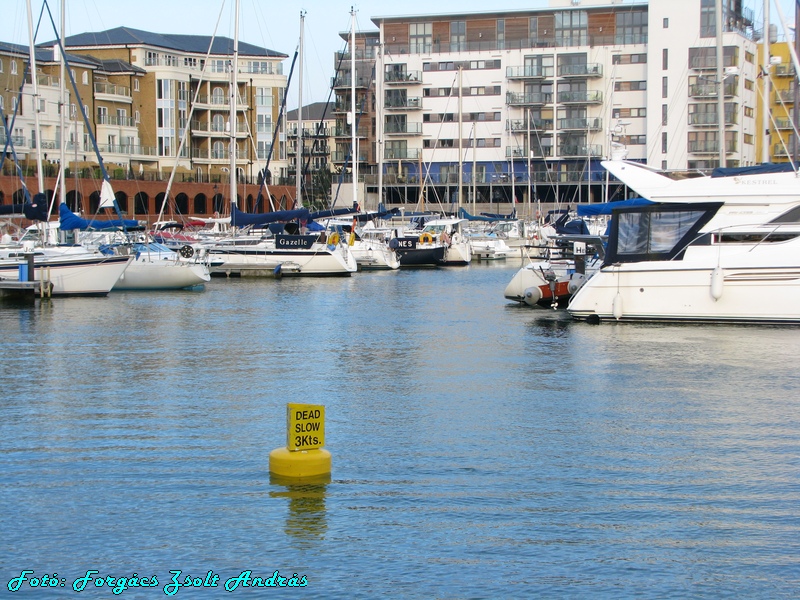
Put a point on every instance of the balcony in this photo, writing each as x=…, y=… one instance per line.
x=403, y=129
x=112, y=93
x=521, y=125
x=711, y=147
x=710, y=90
x=345, y=81
x=595, y=124
x=574, y=150
x=784, y=96
x=345, y=131
x=710, y=119
x=412, y=103
x=340, y=157
x=581, y=97
x=401, y=153
x=529, y=99
x=581, y=70
x=785, y=123
x=536, y=152
x=783, y=71
x=529, y=72
x=783, y=151
x=403, y=78
x=116, y=121
x=321, y=132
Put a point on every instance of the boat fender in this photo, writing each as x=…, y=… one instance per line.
x=532, y=295
x=333, y=240
x=444, y=237
x=426, y=238
x=394, y=244
x=616, y=307
x=717, y=282
x=277, y=272
x=186, y=251
x=575, y=282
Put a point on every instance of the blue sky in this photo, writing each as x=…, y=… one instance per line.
x=274, y=25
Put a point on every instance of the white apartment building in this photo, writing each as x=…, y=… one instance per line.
x=498, y=95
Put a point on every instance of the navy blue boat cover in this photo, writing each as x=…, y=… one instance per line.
x=69, y=220
x=35, y=210
x=763, y=168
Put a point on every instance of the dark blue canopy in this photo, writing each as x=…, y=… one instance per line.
x=763, y=168
x=324, y=214
x=605, y=208
x=241, y=219
x=35, y=210
x=69, y=220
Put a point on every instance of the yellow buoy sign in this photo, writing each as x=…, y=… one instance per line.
x=305, y=426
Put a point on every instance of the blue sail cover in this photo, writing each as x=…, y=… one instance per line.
x=463, y=214
x=35, y=210
x=241, y=219
x=605, y=208
x=69, y=220
x=324, y=214
x=762, y=169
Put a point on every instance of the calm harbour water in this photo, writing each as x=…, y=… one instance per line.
x=480, y=449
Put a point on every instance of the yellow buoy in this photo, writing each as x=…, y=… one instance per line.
x=300, y=463
x=303, y=456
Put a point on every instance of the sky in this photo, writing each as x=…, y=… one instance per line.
x=265, y=23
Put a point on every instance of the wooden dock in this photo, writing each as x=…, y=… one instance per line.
x=12, y=288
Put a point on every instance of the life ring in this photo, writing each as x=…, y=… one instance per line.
x=333, y=240
x=426, y=238
x=187, y=251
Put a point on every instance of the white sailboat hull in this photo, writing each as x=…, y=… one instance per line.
x=264, y=259
x=162, y=275
x=73, y=274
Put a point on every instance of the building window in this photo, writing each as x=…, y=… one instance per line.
x=628, y=59
x=533, y=30
x=85, y=78
x=664, y=115
x=664, y=87
x=13, y=67
x=665, y=59
x=458, y=36
x=572, y=28
x=1, y=65
x=501, y=34
x=420, y=37
x=135, y=85
x=631, y=27
x=663, y=142
x=708, y=18
x=629, y=86
x=666, y=22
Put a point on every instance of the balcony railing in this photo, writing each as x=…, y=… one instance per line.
x=581, y=97
x=529, y=72
x=401, y=153
x=710, y=119
x=403, y=77
x=339, y=156
x=581, y=124
x=347, y=131
x=710, y=90
x=345, y=81
x=528, y=99
x=578, y=150
x=536, y=152
x=521, y=125
x=112, y=90
x=116, y=120
x=411, y=103
x=403, y=129
x=711, y=147
x=581, y=70
x=784, y=96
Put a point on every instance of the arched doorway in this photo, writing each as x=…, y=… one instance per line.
x=200, y=204
x=141, y=204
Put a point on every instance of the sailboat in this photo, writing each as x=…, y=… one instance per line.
x=282, y=248
x=68, y=270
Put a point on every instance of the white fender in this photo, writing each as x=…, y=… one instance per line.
x=616, y=307
x=717, y=282
x=532, y=296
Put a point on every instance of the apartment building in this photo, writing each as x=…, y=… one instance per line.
x=318, y=129
x=780, y=78
x=518, y=105
x=184, y=88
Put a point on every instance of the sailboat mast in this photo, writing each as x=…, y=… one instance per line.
x=299, y=171
x=353, y=150
x=62, y=113
x=35, y=81
x=765, y=82
x=234, y=93
x=720, y=86
x=460, y=142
